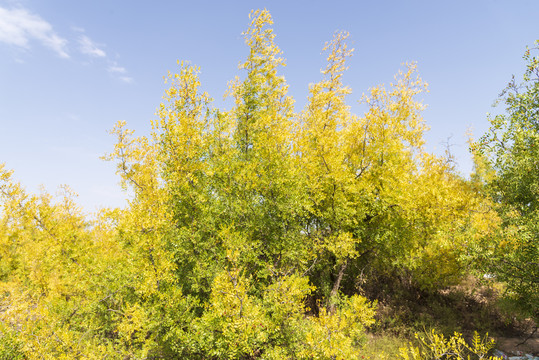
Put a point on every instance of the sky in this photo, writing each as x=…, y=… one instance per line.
x=69, y=70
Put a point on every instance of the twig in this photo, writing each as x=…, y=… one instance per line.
x=529, y=337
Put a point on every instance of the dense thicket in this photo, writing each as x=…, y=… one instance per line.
x=252, y=231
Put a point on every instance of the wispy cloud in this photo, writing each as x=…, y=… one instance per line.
x=18, y=27
x=126, y=79
x=91, y=48
x=120, y=72
x=88, y=47
x=114, y=68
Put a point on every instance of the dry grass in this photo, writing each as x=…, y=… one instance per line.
x=384, y=346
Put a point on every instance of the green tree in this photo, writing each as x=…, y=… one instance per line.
x=511, y=151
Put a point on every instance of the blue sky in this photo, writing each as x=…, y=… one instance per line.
x=70, y=69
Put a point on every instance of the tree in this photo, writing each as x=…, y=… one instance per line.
x=511, y=151
x=248, y=231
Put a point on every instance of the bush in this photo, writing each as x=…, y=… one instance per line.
x=436, y=346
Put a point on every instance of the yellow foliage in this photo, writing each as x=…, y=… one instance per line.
x=339, y=335
x=436, y=346
x=237, y=219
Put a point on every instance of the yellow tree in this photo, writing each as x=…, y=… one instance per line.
x=60, y=275
x=248, y=230
x=376, y=197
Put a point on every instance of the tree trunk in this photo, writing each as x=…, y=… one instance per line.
x=336, y=286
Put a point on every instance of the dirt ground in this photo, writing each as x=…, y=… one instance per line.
x=510, y=345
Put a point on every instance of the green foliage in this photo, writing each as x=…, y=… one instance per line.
x=511, y=150
x=10, y=346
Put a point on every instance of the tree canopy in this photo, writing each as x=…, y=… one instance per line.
x=251, y=230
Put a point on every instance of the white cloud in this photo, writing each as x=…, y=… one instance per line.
x=18, y=27
x=117, y=69
x=120, y=72
x=126, y=79
x=88, y=47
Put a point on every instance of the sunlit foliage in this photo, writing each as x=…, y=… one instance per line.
x=249, y=229
x=433, y=345
x=509, y=157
